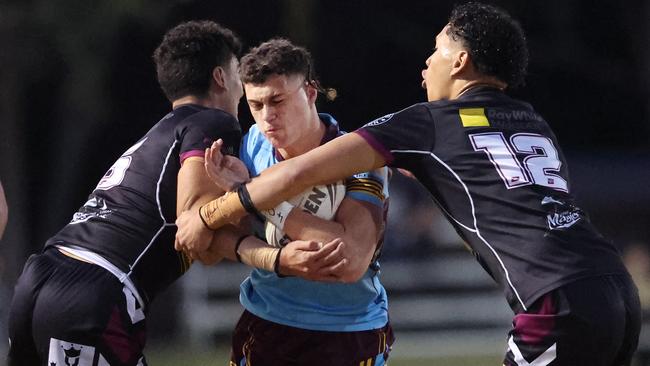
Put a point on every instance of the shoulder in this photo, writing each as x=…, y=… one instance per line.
x=213, y=117
x=417, y=111
x=254, y=140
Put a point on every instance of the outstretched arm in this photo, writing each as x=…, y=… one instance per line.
x=337, y=159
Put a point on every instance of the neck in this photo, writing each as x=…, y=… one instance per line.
x=311, y=139
x=472, y=84
x=208, y=102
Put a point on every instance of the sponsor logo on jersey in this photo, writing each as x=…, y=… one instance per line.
x=562, y=220
x=473, y=117
x=380, y=120
x=94, y=207
x=564, y=216
x=513, y=115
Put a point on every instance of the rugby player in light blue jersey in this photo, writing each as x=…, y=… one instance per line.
x=289, y=320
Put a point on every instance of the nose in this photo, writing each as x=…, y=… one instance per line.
x=268, y=113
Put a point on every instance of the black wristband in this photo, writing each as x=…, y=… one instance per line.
x=239, y=241
x=202, y=219
x=245, y=200
x=276, y=264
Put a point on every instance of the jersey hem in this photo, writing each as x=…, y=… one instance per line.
x=356, y=327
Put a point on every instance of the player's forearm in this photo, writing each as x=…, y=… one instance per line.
x=194, y=187
x=245, y=248
x=339, y=158
x=301, y=225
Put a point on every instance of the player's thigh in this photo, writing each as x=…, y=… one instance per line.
x=22, y=350
x=583, y=323
x=82, y=316
x=260, y=342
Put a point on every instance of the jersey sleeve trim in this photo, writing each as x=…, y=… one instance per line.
x=368, y=189
x=191, y=153
x=375, y=144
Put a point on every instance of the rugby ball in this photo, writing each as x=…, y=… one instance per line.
x=322, y=201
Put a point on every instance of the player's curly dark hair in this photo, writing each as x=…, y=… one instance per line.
x=279, y=56
x=187, y=55
x=495, y=41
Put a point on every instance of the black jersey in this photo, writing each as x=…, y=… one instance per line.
x=495, y=168
x=129, y=217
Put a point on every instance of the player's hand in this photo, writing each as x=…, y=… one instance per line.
x=312, y=261
x=192, y=236
x=226, y=171
x=210, y=256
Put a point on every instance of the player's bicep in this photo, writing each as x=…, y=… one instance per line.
x=361, y=220
x=194, y=187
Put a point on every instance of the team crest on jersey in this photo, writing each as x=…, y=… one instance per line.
x=64, y=353
x=380, y=120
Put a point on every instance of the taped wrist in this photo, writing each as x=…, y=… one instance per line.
x=278, y=215
x=259, y=257
x=221, y=211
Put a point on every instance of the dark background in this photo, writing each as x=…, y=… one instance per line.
x=77, y=87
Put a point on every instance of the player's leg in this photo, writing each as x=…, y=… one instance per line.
x=630, y=295
x=81, y=317
x=22, y=350
x=582, y=323
x=260, y=342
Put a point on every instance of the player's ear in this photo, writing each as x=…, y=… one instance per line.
x=461, y=62
x=312, y=93
x=219, y=77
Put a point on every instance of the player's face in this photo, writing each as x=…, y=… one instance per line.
x=233, y=83
x=437, y=77
x=281, y=107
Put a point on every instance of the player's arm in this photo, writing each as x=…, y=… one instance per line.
x=310, y=260
x=194, y=189
x=4, y=211
x=337, y=159
x=358, y=222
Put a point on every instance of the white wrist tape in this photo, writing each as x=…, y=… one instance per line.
x=278, y=215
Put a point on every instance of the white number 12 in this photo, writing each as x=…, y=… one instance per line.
x=540, y=166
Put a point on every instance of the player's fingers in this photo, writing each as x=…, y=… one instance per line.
x=334, y=270
x=334, y=256
x=177, y=245
x=306, y=245
x=325, y=250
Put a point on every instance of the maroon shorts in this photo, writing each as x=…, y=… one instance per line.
x=594, y=321
x=258, y=342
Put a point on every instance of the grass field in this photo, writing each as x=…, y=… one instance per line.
x=157, y=356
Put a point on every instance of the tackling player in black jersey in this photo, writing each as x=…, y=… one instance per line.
x=496, y=170
x=83, y=300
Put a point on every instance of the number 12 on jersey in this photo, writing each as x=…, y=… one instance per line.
x=540, y=165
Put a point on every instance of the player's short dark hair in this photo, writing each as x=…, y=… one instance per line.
x=279, y=56
x=187, y=55
x=495, y=41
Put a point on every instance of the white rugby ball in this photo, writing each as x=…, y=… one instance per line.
x=322, y=201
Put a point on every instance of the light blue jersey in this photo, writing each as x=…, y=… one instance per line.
x=314, y=305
